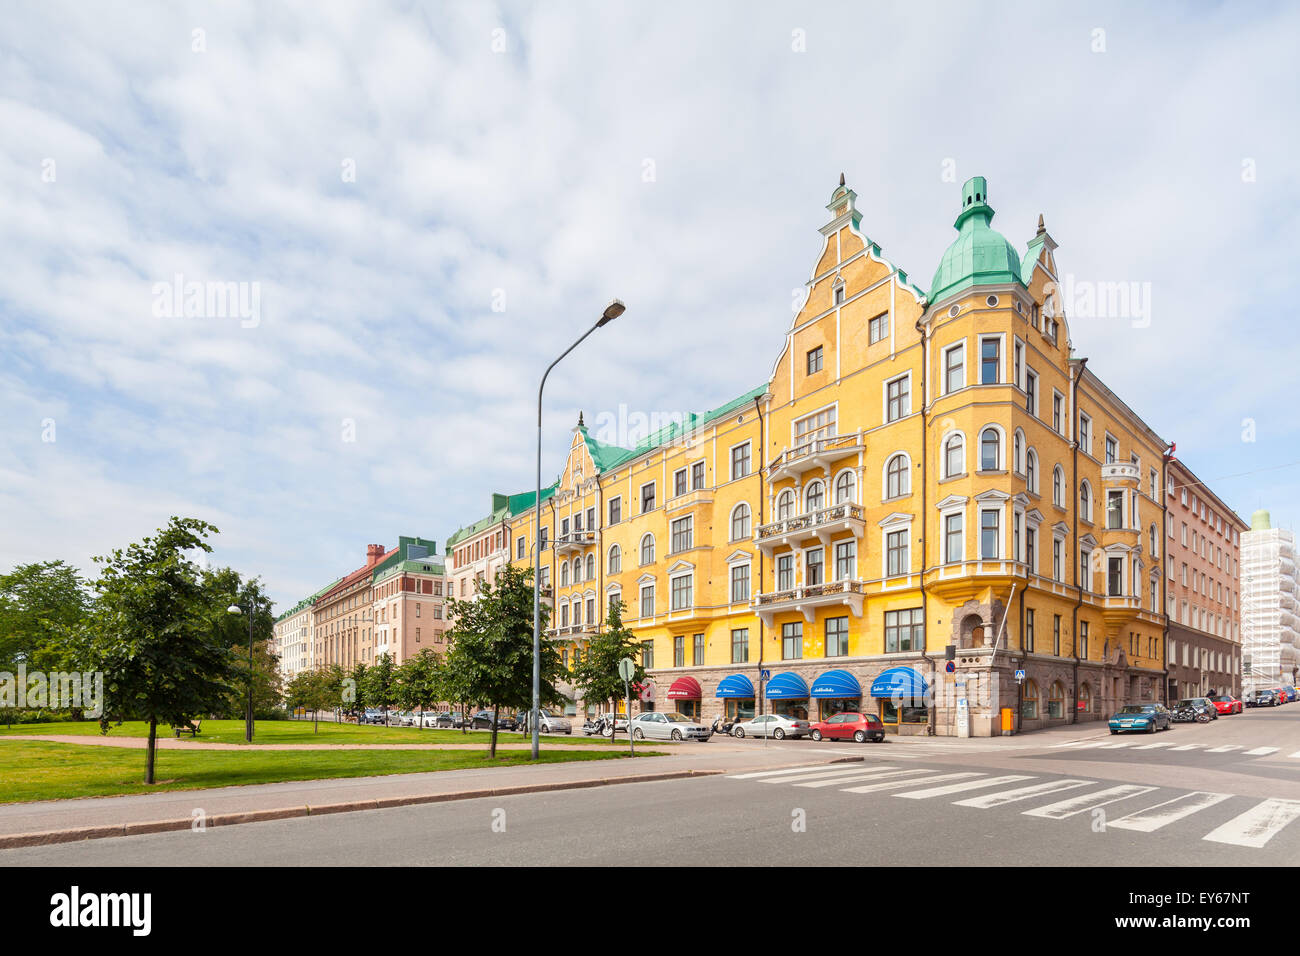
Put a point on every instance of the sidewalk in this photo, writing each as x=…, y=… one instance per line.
x=62, y=821
x=170, y=743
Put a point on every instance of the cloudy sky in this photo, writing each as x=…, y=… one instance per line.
x=421, y=204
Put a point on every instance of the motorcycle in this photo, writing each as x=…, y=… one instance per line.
x=594, y=728
x=723, y=726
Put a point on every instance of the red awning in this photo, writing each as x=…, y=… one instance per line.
x=685, y=688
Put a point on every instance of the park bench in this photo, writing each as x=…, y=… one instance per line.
x=193, y=729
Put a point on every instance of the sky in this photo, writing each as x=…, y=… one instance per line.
x=395, y=215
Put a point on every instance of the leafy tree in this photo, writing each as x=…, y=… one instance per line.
x=40, y=603
x=315, y=691
x=352, y=697
x=491, y=657
x=228, y=588
x=154, y=634
x=378, y=684
x=596, y=674
x=417, y=682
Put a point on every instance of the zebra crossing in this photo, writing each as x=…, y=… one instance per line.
x=1067, y=797
x=1173, y=746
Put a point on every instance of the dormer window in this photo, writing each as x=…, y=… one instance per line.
x=839, y=294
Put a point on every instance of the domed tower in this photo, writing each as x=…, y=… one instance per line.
x=980, y=255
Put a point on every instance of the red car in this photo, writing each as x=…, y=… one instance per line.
x=1226, y=704
x=850, y=726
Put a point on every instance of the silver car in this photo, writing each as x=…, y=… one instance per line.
x=668, y=726
x=548, y=723
x=774, y=726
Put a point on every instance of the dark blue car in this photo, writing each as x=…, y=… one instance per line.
x=1147, y=718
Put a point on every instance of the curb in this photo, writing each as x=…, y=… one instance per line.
x=77, y=834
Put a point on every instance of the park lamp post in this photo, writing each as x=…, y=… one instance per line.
x=248, y=721
x=612, y=312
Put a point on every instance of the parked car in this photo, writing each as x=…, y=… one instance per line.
x=483, y=721
x=1226, y=704
x=429, y=718
x=846, y=726
x=549, y=723
x=404, y=718
x=1198, y=705
x=1288, y=694
x=373, y=716
x=453, y=719
x=1145, y=717
x=506, y=722
x=1263, y=698
x=772, y=725
x=668, y=726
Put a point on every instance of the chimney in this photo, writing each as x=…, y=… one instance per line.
x=373, y=553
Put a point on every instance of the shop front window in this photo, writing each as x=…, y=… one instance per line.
x=830, y=706
x=740, y=708
x=794, y=709
x=691, y=708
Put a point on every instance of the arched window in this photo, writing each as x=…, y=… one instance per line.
x=1029, y=707
x=846, y=488
x=740, y=522
x=1085, y=699
x=896, y=477
x=615, y=559
x=1018, y=451
x=814, y=497
x=1155, y=541
x=591, y=567
x=647, y=549
x=1058, y=487
x=1085, y=501
x=954, y=456
x=784, y=505
x=1056, y=700
x=990, y=449
x=1031, y=470
x=564, y=573
x=577, y=570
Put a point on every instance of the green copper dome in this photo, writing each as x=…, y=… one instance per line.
x=1259, y=521
x=979, y=255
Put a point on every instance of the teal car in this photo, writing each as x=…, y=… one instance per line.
x=1147, y=718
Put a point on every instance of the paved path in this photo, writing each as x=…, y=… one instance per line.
x=171, y=743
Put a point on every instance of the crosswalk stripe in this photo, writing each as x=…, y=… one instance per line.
x=841, y=781
x=1260, y=752
x=780, y=773
x=826, y=772
x=1296, y=754
x=1189, y=746
x=1153, y=818
x=1089, y=801
x=990, y=800
x=1224, y=749
x=960, y=787
x=1158, y=743
x=1116, y=745
x=1071, y=743
x=1093, y=744
x=1257, y=825
x=899, y=784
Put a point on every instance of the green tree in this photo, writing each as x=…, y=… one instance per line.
x=228, y=588
x=418, y=683
x=315, y=691
x=154, y=634
x=491, y=657
x=351, y=685
x=378, y=684
x=596, y=674
x=40, y=603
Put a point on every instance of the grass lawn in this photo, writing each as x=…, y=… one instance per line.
x=300, y=732
x=33, y=770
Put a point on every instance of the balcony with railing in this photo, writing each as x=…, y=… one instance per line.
x=806, y=598
x=1116, y=471
x=821, y=524
x=574, y=541
x=814, y=453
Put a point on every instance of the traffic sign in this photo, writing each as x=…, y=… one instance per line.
x=1020, y=675
x=765, y=674
x=950, y=667
x=626, y=668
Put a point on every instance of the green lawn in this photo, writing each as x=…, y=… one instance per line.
x=300, y=732
x=34, y=770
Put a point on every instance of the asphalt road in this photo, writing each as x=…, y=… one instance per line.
x=1222, y=794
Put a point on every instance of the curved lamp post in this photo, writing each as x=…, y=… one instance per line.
x=248, y=721
x=612, y=312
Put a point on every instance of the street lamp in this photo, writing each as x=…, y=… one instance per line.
x=248, y=723
x=612, y=312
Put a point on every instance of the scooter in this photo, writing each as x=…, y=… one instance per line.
x=723, y=726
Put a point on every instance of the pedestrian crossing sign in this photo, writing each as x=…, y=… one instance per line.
x=1020, y=675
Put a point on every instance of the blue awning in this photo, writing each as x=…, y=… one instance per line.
x=899, y=682
x=735, y=685
x=786, y=686
x=836, y=684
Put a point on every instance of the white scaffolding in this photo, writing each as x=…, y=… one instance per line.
x=1269, y=622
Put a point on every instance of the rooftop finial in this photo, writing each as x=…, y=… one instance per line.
x=841, y=179
x=1041, y=228
x=580, y=424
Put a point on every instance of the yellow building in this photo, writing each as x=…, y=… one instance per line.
x=929, y=494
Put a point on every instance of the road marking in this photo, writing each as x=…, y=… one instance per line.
x=1068, y=808
x=1114, y=746
x=1224, y=749
x=841, y=781
x=989, y=800
x=898, y=784
x=1158, y=743
x=1260, y=752
x=828, y=772
x=1296, y=754
x=780, y=773
x=1257, y=825
x=1153, y=818
x=1189, y=746
x=1072, y=743
x=960, y=787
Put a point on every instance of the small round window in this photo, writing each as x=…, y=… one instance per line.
x=953, y=311
x=992, y=301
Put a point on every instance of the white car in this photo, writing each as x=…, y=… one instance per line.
x=430, y=719
x=549, y=723
x=772, y=725
x=668, y=726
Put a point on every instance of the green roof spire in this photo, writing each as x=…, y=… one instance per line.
x=979, y=255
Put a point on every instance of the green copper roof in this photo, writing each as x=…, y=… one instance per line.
x=979, y=255
x=412, y=566
x=524, y=501
x=1260, y=521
